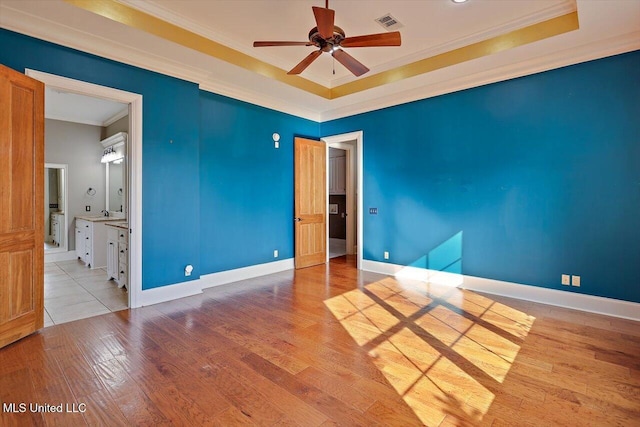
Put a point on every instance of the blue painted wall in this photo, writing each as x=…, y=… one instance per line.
x=216, y=194
x=521, y=181
x=171, y=120
x=541, y=175
x=246, y=185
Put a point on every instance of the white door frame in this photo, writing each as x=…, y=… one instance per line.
x=135, y=163
x=340, y=141
x=65, y=209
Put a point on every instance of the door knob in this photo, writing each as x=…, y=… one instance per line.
x=297, y=219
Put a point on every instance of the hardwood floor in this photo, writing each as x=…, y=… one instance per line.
x=329, y=345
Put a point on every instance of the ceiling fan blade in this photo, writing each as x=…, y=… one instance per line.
x=324, y=20
x=352, y=64
x=305, y=62
x=372, y=40
x=268, y=43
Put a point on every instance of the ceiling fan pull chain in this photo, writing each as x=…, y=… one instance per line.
x=334, y=64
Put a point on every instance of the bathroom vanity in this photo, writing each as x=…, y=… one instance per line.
x=118, y=252
x=91, y=239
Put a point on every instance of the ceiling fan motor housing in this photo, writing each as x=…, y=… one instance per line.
x=327, y=45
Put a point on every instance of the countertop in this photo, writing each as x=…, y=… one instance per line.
x=98, y=218
x=122, y=224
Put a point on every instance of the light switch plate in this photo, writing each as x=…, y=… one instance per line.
x=566, y=279
x=575, y=280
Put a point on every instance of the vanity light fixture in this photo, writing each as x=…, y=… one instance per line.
x=109, y=155
x=276, y=140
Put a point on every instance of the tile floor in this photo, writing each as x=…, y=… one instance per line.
x=72, y=291
x=337, y=247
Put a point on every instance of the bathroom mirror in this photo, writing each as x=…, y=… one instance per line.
x=56, y=220
x=115, y=159
x=115, y=190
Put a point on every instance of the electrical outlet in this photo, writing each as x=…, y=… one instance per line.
x=87, y=208
x=373, y=211
x=386, y=255
x=275, y=253
x=575, y=281
x=565, y=279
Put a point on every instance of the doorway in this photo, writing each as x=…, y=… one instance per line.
x=127, y=209
x=348, y=151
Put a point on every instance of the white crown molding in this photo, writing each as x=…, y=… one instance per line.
x=551, y=12
x=181, y=21
x=116, y=117
x=63, y=35
x=277, y=104
x=79, y=121
x=587, y=52
x=56, y=33
x=572, y=300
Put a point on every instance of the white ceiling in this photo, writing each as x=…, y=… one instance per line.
x=428, y=26
x=607, y=27
x=71, y=107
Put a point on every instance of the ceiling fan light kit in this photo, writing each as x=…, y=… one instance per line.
x=329, y=38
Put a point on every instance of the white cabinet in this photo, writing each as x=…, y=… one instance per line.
x=81, y=246
x=337, y=175
x=112, y=253
x=57, y=228
x=118, y=255
x=91, y=238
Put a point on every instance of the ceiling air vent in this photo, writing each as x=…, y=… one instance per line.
x=389, y=23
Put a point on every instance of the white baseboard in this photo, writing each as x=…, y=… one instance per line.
x=194, y=287
x=244, y=273
x=169, y=292
x=60, y=256
x=559, y=298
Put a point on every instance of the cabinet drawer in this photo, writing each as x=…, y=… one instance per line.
x=122, y=277
x=123, y=254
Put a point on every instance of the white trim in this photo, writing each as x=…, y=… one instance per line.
x=555, y=297
x=195, y=287
x=65, y=208
x=244, y=273
x=358, y=137
x=25, y=23
x=115, y=118
x=64, y=118
x=135, y=162
x=575, y=55
x=169, y=292
x=350, y=176
x=59, y=256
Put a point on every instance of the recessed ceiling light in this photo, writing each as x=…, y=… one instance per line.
x=459, y=1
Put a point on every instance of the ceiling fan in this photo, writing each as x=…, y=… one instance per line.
x=329, y=38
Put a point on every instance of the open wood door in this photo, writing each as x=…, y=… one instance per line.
x=21, y=205
x=310, y=202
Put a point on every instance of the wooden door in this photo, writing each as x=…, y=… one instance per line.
x=310, y=202
x=21, y=205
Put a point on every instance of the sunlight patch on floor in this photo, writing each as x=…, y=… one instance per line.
x=441, y=348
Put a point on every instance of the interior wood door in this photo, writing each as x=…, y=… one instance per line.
x=310, y=202
x=21, y=205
